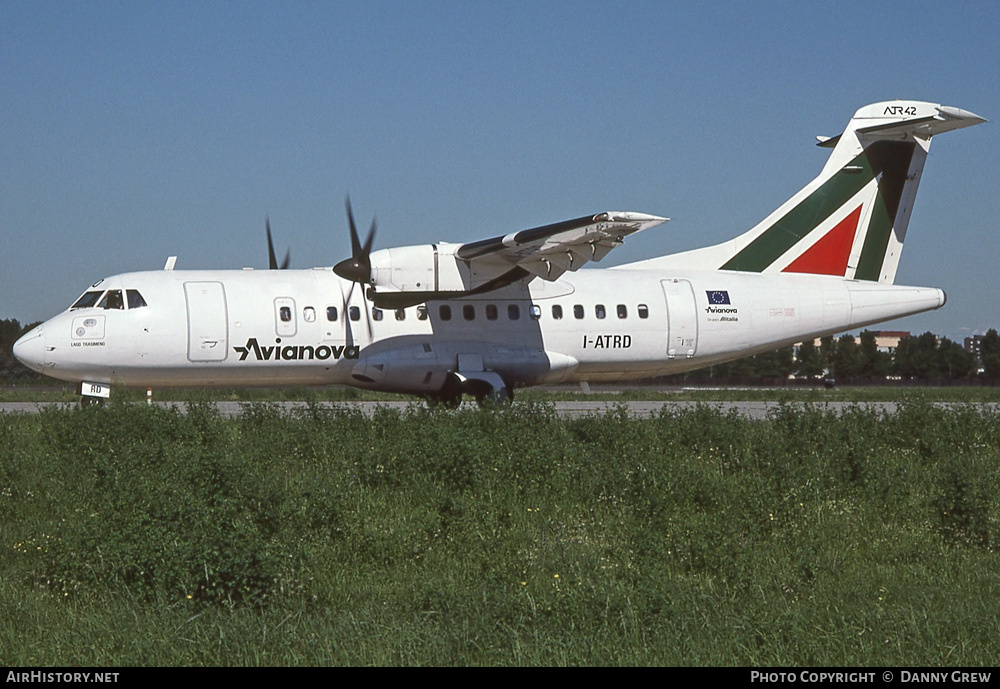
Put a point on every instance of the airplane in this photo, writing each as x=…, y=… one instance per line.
x=487, y=317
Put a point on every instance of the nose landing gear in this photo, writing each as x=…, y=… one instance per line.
x=93, y=393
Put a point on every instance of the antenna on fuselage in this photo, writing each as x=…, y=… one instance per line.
x=171, y=262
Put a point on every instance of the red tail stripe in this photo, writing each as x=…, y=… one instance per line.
x=829, y=255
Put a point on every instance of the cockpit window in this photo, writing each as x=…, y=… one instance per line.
x=135, y=299
x=87, y=300
x=112, y=300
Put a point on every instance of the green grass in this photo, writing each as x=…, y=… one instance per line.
x=143, y=536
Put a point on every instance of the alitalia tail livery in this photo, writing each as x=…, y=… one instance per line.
x=482, y=318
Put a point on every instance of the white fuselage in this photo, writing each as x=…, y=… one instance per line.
x=486, y=316
x=291, y=327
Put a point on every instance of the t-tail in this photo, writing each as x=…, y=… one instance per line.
x=851, y=220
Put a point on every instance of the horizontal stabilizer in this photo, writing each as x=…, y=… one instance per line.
x=944, y=120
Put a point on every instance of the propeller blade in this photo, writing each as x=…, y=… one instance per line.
x=369, y=240
x=355, y=242
x=358, y=267
x=346, y=315
x=368, y=317
x=272, y=261
x=349, y=331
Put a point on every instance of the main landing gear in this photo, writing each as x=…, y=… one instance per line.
x=488, y=392
x=446, y=398
x=495, y=397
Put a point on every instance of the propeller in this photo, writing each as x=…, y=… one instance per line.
x=357, y=268
x=272, y=262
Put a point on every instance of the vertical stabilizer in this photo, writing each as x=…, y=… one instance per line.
x=851, y=220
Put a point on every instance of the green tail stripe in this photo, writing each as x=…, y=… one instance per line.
x=804, y=217
x=895, y=165
x=819, y=205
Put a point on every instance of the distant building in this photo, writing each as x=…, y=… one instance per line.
x=888, y=340
x=885, y=340
x=974, y=345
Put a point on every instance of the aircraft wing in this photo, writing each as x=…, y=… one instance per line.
x=551, y=250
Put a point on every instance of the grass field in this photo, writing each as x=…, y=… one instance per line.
x=142, y=536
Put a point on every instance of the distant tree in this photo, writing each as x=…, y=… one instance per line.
x=873, y=363
x=901, y=359
x=827, y=351
x=953, y=361
x=10, y=330
x=745, y=368
x=10, y=368
x=777, y=364
x=989, y=353
x=846, y=359
x=917, y=357
x=809, y=363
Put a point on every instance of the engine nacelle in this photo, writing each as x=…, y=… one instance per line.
x=405, y=268
x=412, y=274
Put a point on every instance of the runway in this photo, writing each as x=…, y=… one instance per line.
x=572, y=409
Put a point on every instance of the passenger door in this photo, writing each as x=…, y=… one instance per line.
x=682, y=318
x=208, y=321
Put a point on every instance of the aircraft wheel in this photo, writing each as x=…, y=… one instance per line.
x=495, y=397
x=88, y=401
x=446, y=399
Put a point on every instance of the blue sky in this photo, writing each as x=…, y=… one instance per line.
x=136, y=130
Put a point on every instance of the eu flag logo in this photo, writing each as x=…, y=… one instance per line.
x=718, y=297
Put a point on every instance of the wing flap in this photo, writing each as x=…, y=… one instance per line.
x=550, y=250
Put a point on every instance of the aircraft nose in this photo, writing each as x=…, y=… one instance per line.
x=30, y=349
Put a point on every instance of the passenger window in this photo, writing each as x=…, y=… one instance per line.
x=87, y=300
x=135, y=300
x=355, y=313
x=535, y=311
x=622, y=311
x=556, y=311
x=578, y=311
x=513, y=312
x=112, y=300
x=468, y=312
x=331, y=313
x=308, y=314
x=400, y=314
x=376, y=314
x=421, y=313
x=599, y=311
x=643, y=311
x=445, y=312
x=492, y=313
x=285, y=313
